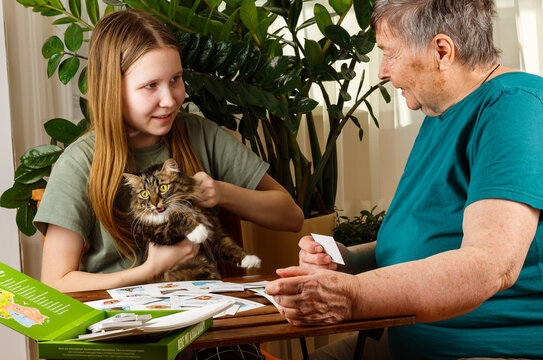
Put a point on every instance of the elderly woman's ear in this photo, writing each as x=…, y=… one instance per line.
x=445, y=51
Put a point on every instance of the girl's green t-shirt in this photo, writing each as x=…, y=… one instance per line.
x=489, y=145
x=66, y=202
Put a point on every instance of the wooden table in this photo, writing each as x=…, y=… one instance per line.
x=266, y=324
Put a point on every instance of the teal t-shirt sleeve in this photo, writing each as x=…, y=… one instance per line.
x=65, y=202
x=508, y=152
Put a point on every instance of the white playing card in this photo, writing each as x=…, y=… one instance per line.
x=330, y=247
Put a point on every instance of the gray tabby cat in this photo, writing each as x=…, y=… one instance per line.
x=164, y=214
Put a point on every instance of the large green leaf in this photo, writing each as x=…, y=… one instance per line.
x=275, y=67
x=114, y=2
x=347, y=72
x=52, y=64
x=19, y=194
x=64, y=20
x=73, y=37
x=67, y=69
x=26, y=175
x=250, y=66
x=93, y=10
x=172, y=8
x=57, y=4
x=364, y=42
x=62, y=130
x=41, y=156
x=341, y=6
x=221, y=53
x=292, y=123
x=27, y=3
x=370, y=110
x=322, y=17
x=135, y=4
x=325, y=73
x=294, y=14
x=362, y=9
x=335, y=112
x=84, y=106
x=303, y=105
x=248, y=14
x=215, y=87
x=339, y=36
x=287, y=83
x=190, y=52
x=75, y=7
x=25, y=216
x=52, y=46
x=10, y=199
x=312, y=52
x=384, y=93
x=240, y=54
x=205, y=53
x=82, y=83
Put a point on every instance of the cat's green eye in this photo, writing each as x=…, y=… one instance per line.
x=144, y=194
x=164, y=188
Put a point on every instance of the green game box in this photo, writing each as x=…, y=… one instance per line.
x=52, y=318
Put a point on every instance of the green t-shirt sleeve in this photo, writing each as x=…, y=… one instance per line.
x=223, y=157
x=507, y=152
x=66, y=202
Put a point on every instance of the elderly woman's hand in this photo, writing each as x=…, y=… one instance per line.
x=307, y=296
x=312, y=255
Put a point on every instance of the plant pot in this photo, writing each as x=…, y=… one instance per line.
x=279, y=249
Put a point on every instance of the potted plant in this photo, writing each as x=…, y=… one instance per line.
x=239, y=73
x=360, y=229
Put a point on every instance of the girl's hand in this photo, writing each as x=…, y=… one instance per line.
x=312, y=255
x=208, y=191
x=162, y=257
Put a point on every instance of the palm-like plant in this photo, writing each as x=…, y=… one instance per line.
x=240, y=73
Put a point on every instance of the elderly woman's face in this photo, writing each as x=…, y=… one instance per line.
x=413, y=72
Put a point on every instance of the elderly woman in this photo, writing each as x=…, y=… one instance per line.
x=461, y=246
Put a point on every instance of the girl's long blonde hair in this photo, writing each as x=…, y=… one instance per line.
x=118, y=40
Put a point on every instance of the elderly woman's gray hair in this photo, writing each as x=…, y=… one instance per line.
x=467, y=22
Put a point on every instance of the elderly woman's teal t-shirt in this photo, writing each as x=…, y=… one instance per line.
x=489, y=145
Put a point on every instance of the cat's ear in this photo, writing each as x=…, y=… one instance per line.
x=170, y=165
x=131, y=179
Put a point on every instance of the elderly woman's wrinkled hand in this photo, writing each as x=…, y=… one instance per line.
x=308, y=296
x=312, y=255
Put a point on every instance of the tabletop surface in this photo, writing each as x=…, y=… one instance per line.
x=262, y=324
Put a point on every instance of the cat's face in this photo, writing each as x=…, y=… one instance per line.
x=160, y=191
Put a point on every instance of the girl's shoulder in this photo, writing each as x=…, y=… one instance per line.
x=195, y=122
x=80, y=151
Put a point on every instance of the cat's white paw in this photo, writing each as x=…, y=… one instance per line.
x=250, y=261
x=198, y=235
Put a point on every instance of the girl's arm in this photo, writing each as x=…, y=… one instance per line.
x=270, y=205
x=62, y=251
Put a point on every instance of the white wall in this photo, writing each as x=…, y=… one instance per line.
x=13, y=345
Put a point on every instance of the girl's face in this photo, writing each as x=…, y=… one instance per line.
x=152, y=91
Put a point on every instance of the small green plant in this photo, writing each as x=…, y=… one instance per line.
x=361, y=229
